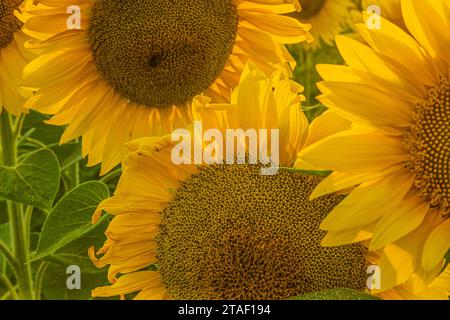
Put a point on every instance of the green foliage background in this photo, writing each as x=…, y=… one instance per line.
x=57, y=194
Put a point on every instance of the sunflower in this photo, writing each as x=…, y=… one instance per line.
x=131, y=70
x=224, y=230
x=13, y=56
x=395, y=160
x=328, y=18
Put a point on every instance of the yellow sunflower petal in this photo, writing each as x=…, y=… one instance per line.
x=327, y=124
x=421, y=279
x=436, y=246
x=443, y=281
x=152, y=293
x=338, y=181
x=343, y=237
x=428, y=21
x=330, y=72
x=254, y=99
x=368, y=202
x=378, y=108
x=287, y=30
x=394, y=42
x=399, y=222
x=292, y=122
x=128, y=283
x=355, y=151
x=401, y=259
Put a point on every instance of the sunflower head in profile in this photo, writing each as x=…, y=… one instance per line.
x=395, y=89
x=328, y=18
x=223, y=230
x=13, y=56
x=114, y=71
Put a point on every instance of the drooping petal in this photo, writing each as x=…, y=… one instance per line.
x=127, y=283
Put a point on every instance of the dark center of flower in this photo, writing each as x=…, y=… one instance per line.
x=428, y=143
x=160, y=53
x=8, y=22
x=231, y=233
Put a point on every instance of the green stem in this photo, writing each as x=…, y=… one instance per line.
x=9, y=150
x=309, y=74
x=12, y=292
x=21, y=250
x=19, y=125
x=35, y=142
x=19, y=234
x=40, y=278
x=73, y=175
x=7, y=294
x=9, y=257
x=28, y=216
x=111, y=176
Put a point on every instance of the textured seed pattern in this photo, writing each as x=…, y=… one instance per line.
x=160, y=53
x=428, y=143
x=8, y=22
x=231, y=233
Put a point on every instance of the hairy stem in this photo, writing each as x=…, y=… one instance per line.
x=19, y=235
x=40, y=278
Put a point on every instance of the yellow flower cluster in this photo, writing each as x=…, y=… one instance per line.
x=352, y=192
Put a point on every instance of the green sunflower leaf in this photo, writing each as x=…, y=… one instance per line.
x=55, y=288
x=70, y=219
x=68, y=153
x=54, y=284
x=75, y=253
x=336, y=294
x=34, y=181
x=35, y=127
